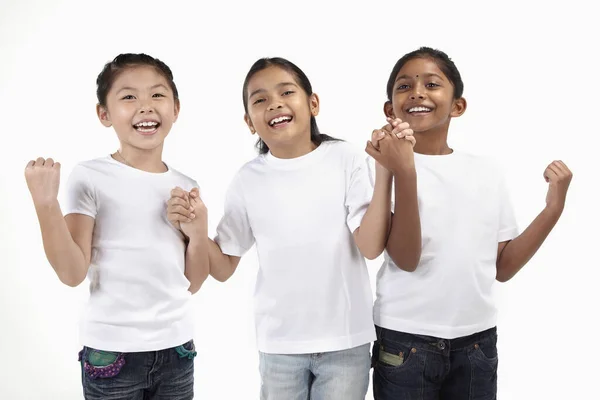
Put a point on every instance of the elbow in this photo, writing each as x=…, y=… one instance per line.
x=408, y=264
x=372, y=253
x=502, y=276
x=71, y=280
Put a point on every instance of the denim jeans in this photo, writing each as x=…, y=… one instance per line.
x=157, y=375
x=335, y=375
x=414, y=367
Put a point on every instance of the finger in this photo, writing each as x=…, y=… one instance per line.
x=394, y=121
x=372, y=151
x=178, y=192
x=195, y=192
x=56, y=165
x=177, y=209
x=178, y=201
x=405, y=133
x=562, y=167
x=549, y=174
x=174, y=218
x=49, y=163
x=30, y=164
x=39, y=162
x=412, y=140
x=387, y=128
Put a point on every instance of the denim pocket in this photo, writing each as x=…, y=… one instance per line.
x=484, y=354
x=100, y=363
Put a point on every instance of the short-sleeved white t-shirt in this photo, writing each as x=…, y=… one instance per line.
x=312, y=291
x=465, y=212
x=139, y=298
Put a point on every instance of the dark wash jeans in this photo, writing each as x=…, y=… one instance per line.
x=414, y=367
x=157, y=375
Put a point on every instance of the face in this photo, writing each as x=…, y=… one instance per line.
x=140, y=106
x=424, y=97
x=279, y=110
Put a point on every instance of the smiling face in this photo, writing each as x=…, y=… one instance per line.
x=279, y=110
x=141, y=108
x=424, y=97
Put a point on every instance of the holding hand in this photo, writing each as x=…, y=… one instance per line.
x=43, y=179
x=558, y=175
x=187, y=212
x=392, y=146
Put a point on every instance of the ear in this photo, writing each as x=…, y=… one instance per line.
x=459, y=106
x=313, y=102
x=388, y=109
x=249, y=123
x=177, y=108
x=103, y=116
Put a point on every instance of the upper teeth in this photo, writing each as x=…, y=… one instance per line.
x=149, y=123
x=419, y=109
x=280, y=119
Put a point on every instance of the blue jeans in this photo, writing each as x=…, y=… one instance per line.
x=334, y=375
x=158, y=375
x=414, y=367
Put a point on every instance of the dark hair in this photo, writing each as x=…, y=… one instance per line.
x=315, y=136
x=443, y=62
x=111, y=70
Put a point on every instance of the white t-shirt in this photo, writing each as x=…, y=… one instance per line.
x=312, y=292
x=465, y=212
x=139, y=298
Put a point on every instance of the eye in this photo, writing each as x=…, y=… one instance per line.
x=404, y=86
x=258, y=101
x=288, y=92
x=128, y=97
x=158, y=95
x=432, y=85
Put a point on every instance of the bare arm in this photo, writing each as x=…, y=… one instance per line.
x=371, y=236
x=395, y=153
x=513, y=255
x=67, y=240
x=222, y=266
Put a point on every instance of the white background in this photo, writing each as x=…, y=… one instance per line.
x=532, y=88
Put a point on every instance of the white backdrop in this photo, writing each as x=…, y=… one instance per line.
x=532, y=89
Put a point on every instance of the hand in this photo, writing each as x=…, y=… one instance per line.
x=558, y=175
x=43, y=179
x=186, y=211
x=392, y=146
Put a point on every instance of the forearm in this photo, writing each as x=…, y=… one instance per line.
x=519, y=251
x=222, y=266
x=404, y=242
x=65, y=256
x=197, y=265
x=372, y=234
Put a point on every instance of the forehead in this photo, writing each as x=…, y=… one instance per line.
x=269, y=78
x=139, y=76
x=420, y=66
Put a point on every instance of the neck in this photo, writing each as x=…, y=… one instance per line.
x=292, y=150
x=433, y=142
x=144, y=160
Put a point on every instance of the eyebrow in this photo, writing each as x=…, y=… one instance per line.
x=134, y=89
x=429, y=75
x=278, y=86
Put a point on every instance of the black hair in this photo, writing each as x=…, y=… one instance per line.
x=444, y=63
x=315, y=135
x=111, y=70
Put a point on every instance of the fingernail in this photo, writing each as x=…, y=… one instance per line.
x=193, y=215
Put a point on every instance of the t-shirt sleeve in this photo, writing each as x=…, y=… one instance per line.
x=234, y=234
x=80, y=196
x=508, y=228
x=359, y=192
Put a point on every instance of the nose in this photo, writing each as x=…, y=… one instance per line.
x=275, y=105
x=418, y=92
x=146, y=107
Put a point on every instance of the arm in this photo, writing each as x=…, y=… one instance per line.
x=222, y=266
x=513, y=255
x=372, y=234
x=396, y=154
x=67, y=240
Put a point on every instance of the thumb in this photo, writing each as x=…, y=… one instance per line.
x=371, y=150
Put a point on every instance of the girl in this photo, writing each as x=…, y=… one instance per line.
x=436, y=334
x=304, y=201
x=136, y=329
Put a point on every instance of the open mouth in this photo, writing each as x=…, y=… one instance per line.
x=146, y=127
x=280, y=121
x=419, y=110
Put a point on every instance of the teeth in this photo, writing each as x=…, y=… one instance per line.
x=149, y=123
x=419, y=109
x=279, y=119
